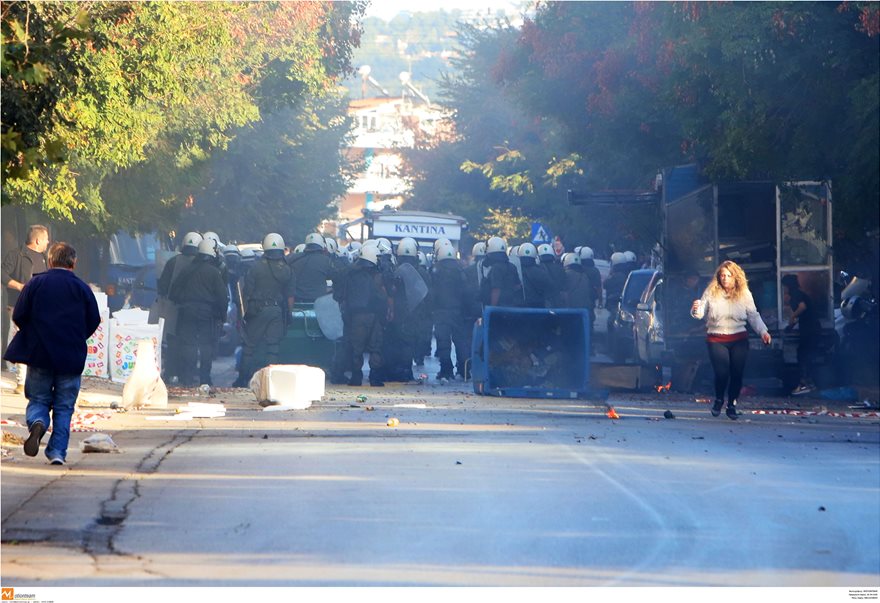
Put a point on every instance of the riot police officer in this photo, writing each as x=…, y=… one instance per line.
x=536, y=283
x=311, y=269
x=502, y=286
x=201, y=296
x=555, y=271
x=268, y=295
x=368, y=307
x=448, y=296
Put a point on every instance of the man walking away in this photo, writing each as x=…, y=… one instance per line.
x=56, y=313
x=19, y=266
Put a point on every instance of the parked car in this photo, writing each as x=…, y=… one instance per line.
x=621, y=341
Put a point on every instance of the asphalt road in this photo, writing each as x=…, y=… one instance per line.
x=466, y=491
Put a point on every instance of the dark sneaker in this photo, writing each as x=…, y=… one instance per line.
x=716, y=408
x=32, y=443
x=731, y=412
x=56, y=460
x=803, y=389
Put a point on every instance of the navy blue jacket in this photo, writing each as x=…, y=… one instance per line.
x=56, y=313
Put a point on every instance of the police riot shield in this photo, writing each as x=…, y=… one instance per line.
x=329, y=317
x=414, y=285
x=514, y=259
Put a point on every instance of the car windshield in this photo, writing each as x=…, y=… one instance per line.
x=635, y=286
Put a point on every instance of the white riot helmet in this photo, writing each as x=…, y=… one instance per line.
x=384, y=246
x=527, y=250
x=208, y=247
x=315, y=240
x=445, y=252
x=617, y=258
x=577, y=250
x=331, y=245
x=370, y=254
x=496, y=244
x=247, y=253
x=513, y=251
x=546, y=249
x=630, y=256
x=231, y=250
x=439, y=242
x=570, y=259
x=212, y=235
x=479, y=249
x=586, y=253
x=273, y=241
x=423, y=259
x=407, y=247
x=192, y=239
x=352, y=249
x=301, y=248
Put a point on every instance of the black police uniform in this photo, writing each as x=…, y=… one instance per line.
x=201, y=297
x=367, y=303
x=448, y=292
x=267, y=287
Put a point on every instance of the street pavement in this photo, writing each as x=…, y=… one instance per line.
x=466, y=491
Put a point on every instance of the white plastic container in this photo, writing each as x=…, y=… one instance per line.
x=288, y=386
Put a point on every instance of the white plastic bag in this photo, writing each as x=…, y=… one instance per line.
x=144, y=387
x=99, y=442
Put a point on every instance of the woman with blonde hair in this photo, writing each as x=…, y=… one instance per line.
x=727, y=305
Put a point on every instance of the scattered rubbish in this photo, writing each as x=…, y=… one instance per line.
x=663, y=388
x=668, y=415
x=370, y=408
x=10, y=422
x=99, y=442
x=458, y=462
x=144, y=386
x=612, y=414
x=204, y=389
x=592, y=437
x=12, y=439
x=410, y=406
x=821, y=508
x=393, y=422
x=85, y=422
x=698, y=438
x=265, y=436
x=194, y=410
x=361, y=399
x=702, y=399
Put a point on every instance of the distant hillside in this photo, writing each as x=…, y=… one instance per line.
x=420, y=43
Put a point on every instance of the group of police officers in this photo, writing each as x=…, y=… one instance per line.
x=392, y=299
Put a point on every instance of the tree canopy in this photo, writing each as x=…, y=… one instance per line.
x=111, y=110
x=596, y=95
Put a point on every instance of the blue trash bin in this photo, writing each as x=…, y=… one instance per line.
x=531, y=353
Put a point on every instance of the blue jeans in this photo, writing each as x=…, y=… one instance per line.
x=48, y=391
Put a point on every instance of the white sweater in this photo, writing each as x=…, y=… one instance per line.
x=727, y=317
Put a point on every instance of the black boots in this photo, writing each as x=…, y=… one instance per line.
x=731, y=410
x=716, y=408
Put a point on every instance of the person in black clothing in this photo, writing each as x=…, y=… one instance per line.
x=19, y=265
x=502, y=286
x=536, y=283
x=402, y=333
x=168, y=309
x=448, y=293
x=268, y=294
x=311, y=269
x=368, y=307
x=803, y=315
x=201, y=296
x=556, y=273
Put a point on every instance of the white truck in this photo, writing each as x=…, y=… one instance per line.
x=393, y=224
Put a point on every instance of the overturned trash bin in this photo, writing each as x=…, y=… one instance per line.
x=531, y=353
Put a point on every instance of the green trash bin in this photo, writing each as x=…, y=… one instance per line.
x=304, y=342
